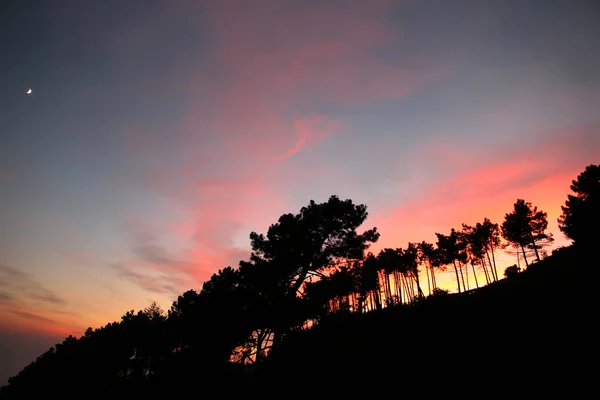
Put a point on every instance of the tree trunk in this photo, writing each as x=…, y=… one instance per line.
x=388, y=296
x=420, y=292
x=433, y=281
x=397, y=288
x=377, y=294
x=485, y=271
x=428, y=284
x=298, y=284
x=409, y=292
x=466, y=273
x=462, y=277
x=399, y=283
x=259, y=342
x=494, y=260
x=492, y=267
x=524, y=256
x=457, y=278
x=537, y=255
x=402, y=290
x=475, y=275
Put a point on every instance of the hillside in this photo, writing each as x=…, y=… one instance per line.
x=373, y=330
x=533, y=331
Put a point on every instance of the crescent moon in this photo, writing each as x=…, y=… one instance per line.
x=29, y=91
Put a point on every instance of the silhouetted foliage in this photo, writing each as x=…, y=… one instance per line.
x=369, y=288
x=451, y=251
x=560, y=250
x=511, y=271
x=428, y=256
x=580, y=219
x=312, y=243
x=483, y=241
x=440, y=292
x=299, y=309
x=525, y=227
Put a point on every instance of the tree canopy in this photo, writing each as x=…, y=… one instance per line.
x=526, y=227
x=308, y=268
x=580, y=216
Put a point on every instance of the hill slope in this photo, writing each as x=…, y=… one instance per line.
x=533, y=331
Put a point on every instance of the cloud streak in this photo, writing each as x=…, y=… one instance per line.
x=21, y=284
x=273, y=90
x=31, y=316
x=469, y=194
x=310, y=131
x=26, y=305
x=163, y=283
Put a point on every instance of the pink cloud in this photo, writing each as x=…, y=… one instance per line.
x=540, y=174
x=279, y=66
x=278, y=60
x=311, y=130
x=207, y=220
x=486, y=185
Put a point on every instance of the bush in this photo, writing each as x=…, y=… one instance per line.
x=440, y=292
x=511, y=271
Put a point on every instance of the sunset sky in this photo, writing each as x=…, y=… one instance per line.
x=159, y=134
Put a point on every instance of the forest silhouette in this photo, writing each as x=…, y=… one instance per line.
x=313, y=310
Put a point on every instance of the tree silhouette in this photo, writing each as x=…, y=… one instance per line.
x=311, y=270
x=410, y=260
x=474, y=248
x=440, y=292
x=450, y=251
x=464, y=257
x=489, y=235
x=368, y=282
x=580, y=219
x=128, y=354
x=318, y=238
x=267, y=305
x=525, y=226
x=481, y=242
x=390, y=264
x=426, y=253
x=511, y=271
x=222, y=314
x=334, y=293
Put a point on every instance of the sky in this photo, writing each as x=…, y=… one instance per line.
x=158, y=135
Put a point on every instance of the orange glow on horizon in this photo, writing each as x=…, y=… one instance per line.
x=400, y=227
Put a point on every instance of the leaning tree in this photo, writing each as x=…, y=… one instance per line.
x=316, y=242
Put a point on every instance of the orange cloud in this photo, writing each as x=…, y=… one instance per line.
x=207, y=230
x=487, y=185
x=27, y=306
